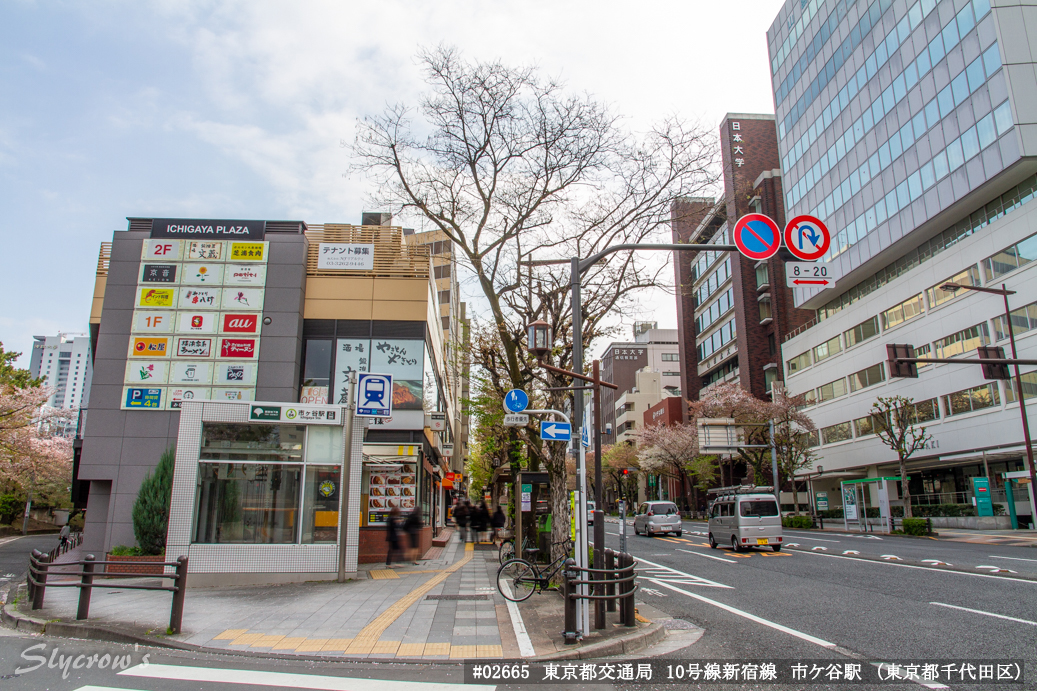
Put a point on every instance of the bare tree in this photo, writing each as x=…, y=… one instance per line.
x=896, y=424
x=507, y=164
x=792, y=429
x=616, y=459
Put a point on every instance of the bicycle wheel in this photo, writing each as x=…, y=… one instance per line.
x=517, y=579
x=506, y=551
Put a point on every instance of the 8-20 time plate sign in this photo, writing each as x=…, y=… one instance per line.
x=810, y=275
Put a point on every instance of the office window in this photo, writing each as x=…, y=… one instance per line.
x=926, y=411
x=441, y=271
x=962, y=341
x=905, y=311
x=765, y=309
x=762, y=276
x=862, y=332
x=968, y=277
x=317, y=365
x=669, y=357
x=869, y=424
x=867, y=377
x=800, y=362
x=1011, y=258
x=1029, y=387
x=968, y=400
x=923, y=351
x=836, y=433
x=772, y=345
x=831, y=390
x=827, y=349
x=1023, y=319
x=769, y=377
x=671, y=374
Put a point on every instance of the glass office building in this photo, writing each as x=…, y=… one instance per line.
x=908, y=127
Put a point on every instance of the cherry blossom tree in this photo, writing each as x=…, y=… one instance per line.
x=674, y=449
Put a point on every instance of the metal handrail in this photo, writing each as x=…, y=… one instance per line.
x=615, y=577
x=39, y=567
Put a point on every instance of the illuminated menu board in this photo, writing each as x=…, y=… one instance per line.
x=197, y=317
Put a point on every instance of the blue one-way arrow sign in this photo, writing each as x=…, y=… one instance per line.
x=555, y=431
x=516, y=401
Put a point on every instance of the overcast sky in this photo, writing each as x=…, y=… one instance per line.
x=237, y=109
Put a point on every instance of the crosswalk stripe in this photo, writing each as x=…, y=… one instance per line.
x=287, y=680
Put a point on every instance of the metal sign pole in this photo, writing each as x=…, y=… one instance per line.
x=343, y=483
x=583, y=611
x=622, y=526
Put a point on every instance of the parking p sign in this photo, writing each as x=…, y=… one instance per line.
x=373, y=395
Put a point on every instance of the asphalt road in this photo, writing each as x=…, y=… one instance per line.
x=817, y=603
x=800, y=604
x=14, y=554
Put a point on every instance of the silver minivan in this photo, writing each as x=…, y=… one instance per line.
x=745, y=520
x=655, y=517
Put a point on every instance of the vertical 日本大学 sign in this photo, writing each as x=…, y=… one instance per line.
x=198, y=305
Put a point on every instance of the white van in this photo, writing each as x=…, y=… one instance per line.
x=743, y=518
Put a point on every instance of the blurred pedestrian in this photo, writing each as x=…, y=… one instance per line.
x=461, y=519
x=480, y=518
x=392, y=536
x=63, y=536
x=498, y=521
x=412, y=526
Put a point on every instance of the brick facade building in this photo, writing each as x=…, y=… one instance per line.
x=733, y=311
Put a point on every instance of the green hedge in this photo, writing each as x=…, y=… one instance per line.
x=921, y=510
x=915, y=526
x=10, y=507
x=943, y=510
x=801, y=522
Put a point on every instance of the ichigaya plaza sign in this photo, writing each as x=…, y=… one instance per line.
x=194, y=228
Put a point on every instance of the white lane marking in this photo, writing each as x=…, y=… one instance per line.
x=103, y=688
x=891, y=556
x=751, y=617
x=707, y=556
x=818, y=547
x=851, y=551
x=288, y=679
x=936, y=562
x=1012, y=558
x=525, y=645
x=815, y=539
x=674, y=574
x=986, y=614
x=996, y=569
x=924, y=568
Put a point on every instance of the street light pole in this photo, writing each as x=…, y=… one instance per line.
x=577, y=267
x=1004, y=293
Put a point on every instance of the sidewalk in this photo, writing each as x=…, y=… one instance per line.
x=446, y=608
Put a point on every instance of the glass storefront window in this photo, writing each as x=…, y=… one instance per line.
x=247, y=503
x=225, y=441
x=384, y=486
x=324, y=444
x=320, y=503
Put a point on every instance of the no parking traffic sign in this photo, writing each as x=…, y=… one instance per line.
x=807, y=238
x=757, y=236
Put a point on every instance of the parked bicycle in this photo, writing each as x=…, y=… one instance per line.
x=518, y=579
x=506, y=550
